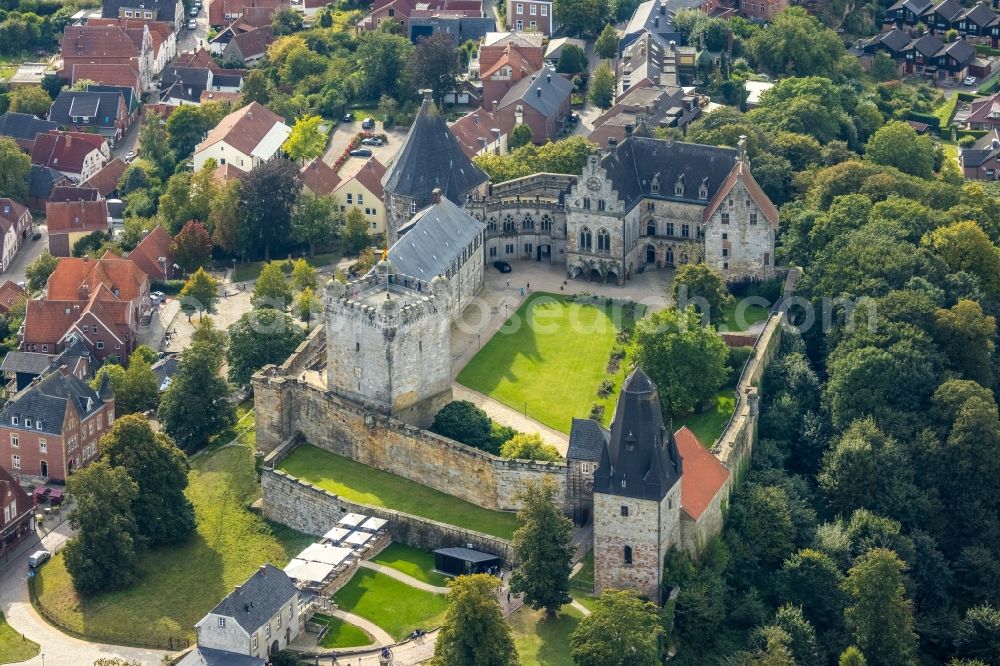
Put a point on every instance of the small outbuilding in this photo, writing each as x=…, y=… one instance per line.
x=461, y=561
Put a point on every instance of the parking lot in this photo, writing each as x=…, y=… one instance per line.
x=344, y=132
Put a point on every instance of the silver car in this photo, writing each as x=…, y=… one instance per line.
x=37, y=558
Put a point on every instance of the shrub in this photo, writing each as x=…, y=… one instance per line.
x=171, y=287
x=597, y=411
x=605, y=388
x=500, y=435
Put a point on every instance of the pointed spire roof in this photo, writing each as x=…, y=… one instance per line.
x=431, y=158
x=641, y=460
x=104, y=390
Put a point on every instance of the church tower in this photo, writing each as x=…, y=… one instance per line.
x=637, y=494
x=429, y=159
x=388, y=344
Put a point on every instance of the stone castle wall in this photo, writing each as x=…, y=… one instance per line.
x=287, y=406
x=308, y=509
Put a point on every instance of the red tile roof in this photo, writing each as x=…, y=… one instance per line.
x=243, y=129
x=319, y=177
x=10, y=213
x=65, y=217
x=47, y=321
x=227, y=172
x=63, y=193
x=472, y=127
x=100, y=41
x=108, y=74
x=72, y=273
x=703, y=474
x=106, y=180
x=147, y=253
x=10, y=293
x=370, y=177
x=65, y=151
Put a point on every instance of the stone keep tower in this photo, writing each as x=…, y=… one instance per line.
x=388, y=344
x=637, y=494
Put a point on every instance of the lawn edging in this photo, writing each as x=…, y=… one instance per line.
x=304, y=507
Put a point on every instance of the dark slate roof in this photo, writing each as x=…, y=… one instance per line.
x=949, y=9
x=587, y=438
x=545, y=92
x=24, y=125
x=960, y=50
x=431, y=158
x=46, y=401
x=201, y=656
x=116, y=209
x=981, y=151
x=27, y=362
x=101, y=106
x=895, y=40
x=166, y=10
x=635, y=163
x=918, y=7
x=127, y=93
x=191, y=76
x=927, y=45
x=43, y=178
x=466, y=554
x=641, y=460
x=981, y=14
x=254, y=602
x=433, y=240
x=165, y=370
x=227, y=80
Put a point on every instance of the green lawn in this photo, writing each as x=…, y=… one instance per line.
x=392, y=605
x=751, y=314
x=589, y=601
x=413, y=562
x=550, y=347
x=543, y=640
x=585, y=576
x=179, y=585
x=946, y=111
x=367, y=485
x=341, y=634
x=13, y=646
x=708, y=425
x=251, y=271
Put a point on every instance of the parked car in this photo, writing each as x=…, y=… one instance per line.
x=969, y=81
x=502, y=266
x=368, y=123
x=130, y=155
x=39, y=557
x=157, y=297
x=193, y=11
x=192, y=25
x=574, y=118
x=372, y=141
x=348, y=117
x=361, y=152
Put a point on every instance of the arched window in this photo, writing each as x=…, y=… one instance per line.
x=651, y=228
x=670, y=256
x=491, y=226
x=627, y=555
x=508, y=225
x=603, y=241
x=585, y=239
x=546, y=223
x=528, y=223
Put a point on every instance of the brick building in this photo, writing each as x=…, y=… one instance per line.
x=69, y=221
x=54, y=426
x=532, y=16
x=77, y=155
x=17, y=513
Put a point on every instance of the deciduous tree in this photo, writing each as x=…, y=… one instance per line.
x=40, y=269
x=303, y=275
x=162, y=512
x=898, y=145
x=797, y=44
x=196, y=405
x=704, y=288
x=622, y=630
x=315, y=219
x=15, y=170
x=434, y=64
x=572, y=60
x=602, y=86
x=307, y=140
x=474, y=630
x=520, y=136
x=30, y=100
x=529, y=446
x=136, y=389
x=355, y=236
x=271, y=289
x=606, y=45
x=880, y=617
x=581, y=18
x=267, y=197
x=192, y=246
x=257, y=338
x=200, y=292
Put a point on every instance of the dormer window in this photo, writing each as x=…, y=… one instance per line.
x=679, y=186
x=14, y=420
x=703, y=188
x=655, y=184
x=27, y=423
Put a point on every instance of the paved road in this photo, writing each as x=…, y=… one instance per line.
x=27, y=254
x=189, y=40
x=57, y=649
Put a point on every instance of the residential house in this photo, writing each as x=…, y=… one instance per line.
x=21, y=368
x=975, y=23
x=984, y=113
x=479, y=133
x=68, y=193
x=77, y=155
x=363, y=190
x=41, y=183
x=908, y=12
x=494, y=44
x=108, y=74
x=186, y=85
x=15, y=227
x=17, y=513
x=541, y=102
x=651, y=106
x=462, y=25
x=227, y=172
x=650, y=61
x=401, y=11
x=501, y=68
x=259, y=618
x=258, y=13
x=72, y=220
x=162, y=34
x=10, y=294
x=168, y=11
x=981, y=161
x=245, y=138
x=247, y=48
x=943, y=16
x=82, y=109
x=531, y=15
x=318, y=177
x=54, y=427
x=153, y=255
x=761, y=10
x=555, y=48
x=24, y=127
x=166, y=369
x=106, y=180
x=108, y=44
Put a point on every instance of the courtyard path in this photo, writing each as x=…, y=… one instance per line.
x=580, y=607
x=378, y=633
x=403, y=578
x=507, y=416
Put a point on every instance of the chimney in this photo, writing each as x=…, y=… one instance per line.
x=494, y=106
x=69, y=140
x=995, y=143
x=673, y=46
x=436, y=195
x=656, y=22
x=538, y=92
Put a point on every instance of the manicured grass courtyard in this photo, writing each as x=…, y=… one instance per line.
x=549, y=359
x=367, y=485
x=394, y=606
x=179, y=585
x=750, y=315
x=708, y=425
x=251, y=270
x=544, y=640
x=341, y=634
x=584, y=578
x=413, y=562
x=13, y=646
